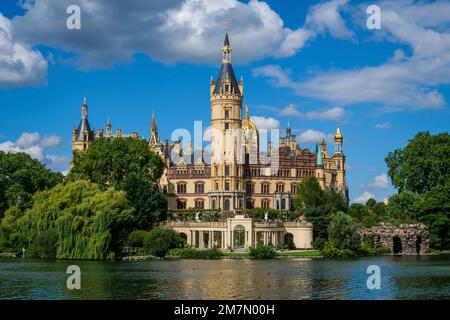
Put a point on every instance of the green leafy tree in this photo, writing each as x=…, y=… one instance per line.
x=379, y=209
x=159, y=241
x=109, y=162
x=404, y=206
x=317, y=205
x=371, y=203
x=11, y=240
x=144, y=196
x=89, y=223
x=343, y=232
x=435, y=212
x=136, y=238
x=422, y=164
x=358, y=211
x=20, y=177
x=334, y=201
x=309, y=194
x=320, y=220
x=44, y=245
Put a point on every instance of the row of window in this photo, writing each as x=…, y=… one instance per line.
x=249, y=203
x=195, y=171
x=249, y=187
x=282, y=173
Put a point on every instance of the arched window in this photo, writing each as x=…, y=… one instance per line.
x=200, y=203
x=181, y=204
x=199, y=187
x=280, y=187
x=181, y=187
x=294, y=188
x=265, y=204
x=226, y=205
x=265, y=188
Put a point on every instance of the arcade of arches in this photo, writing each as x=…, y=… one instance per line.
x=241, y=233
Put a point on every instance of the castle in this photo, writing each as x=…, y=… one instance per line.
x=233, y=175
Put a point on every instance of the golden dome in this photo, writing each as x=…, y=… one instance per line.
x=338, y=136
x=247, y=123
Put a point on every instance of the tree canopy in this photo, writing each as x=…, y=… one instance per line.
x=83, y=221
x=20, y=177
x=318, y=205
x=130, y=166
x=108, y=162
x=422, y=164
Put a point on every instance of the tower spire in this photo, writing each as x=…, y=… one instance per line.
x=84, y=109
x=226, y=49
x=154, y=131
x=154, y=126
x=319, y=155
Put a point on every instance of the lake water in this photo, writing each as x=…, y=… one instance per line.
x=413, y=277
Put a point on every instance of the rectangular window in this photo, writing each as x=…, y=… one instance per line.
x=227, y=171
x=227, y=114
x=227, y=185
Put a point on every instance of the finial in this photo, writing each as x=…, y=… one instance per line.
x=226, y=25
x=247, y=116
x=84, y=101
x=289, y=124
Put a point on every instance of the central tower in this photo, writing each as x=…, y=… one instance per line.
x=226, y=95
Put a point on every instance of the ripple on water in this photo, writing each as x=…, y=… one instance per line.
x=402, y=278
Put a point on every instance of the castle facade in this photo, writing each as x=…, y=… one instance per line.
x=232, y=174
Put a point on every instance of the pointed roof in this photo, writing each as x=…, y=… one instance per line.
x=154, y=127
x=84, y=123
x=226, y=72
x=319, y=156
x=338, y=136
x=226, y=42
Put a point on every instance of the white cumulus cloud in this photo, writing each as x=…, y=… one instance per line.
x=313, y=136
x=265, y=122
x=400, y=82
x=168, y=31
x=20, y=65
x=363, y=197
x=35, y=146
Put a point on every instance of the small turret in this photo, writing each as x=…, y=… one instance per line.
x=338, y=140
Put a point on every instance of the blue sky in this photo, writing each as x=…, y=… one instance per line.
x=307, y=62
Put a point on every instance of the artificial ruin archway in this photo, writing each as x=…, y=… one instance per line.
x=403, y=239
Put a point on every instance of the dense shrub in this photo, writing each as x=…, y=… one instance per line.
x=159, y=241
x=136, y=238
x=263, y=252
x=191, y=253
x=329, y=251
x=319, y=243
x=176, y=252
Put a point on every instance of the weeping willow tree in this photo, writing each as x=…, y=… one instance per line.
x=89, y=223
